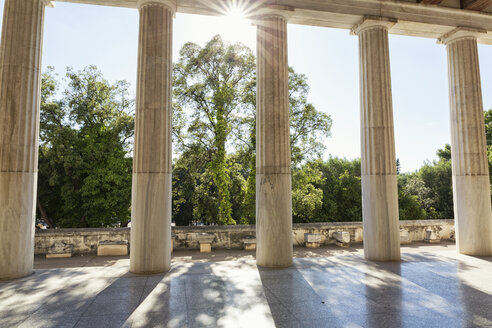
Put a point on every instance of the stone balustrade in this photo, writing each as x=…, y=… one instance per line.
x=228, y=237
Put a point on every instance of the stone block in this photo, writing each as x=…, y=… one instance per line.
x=205, y=248
x=60, y=250
x=404, y=237
x=452, y=235
x=432, y=236
x=342, y=238
x=205, y=240
x=112, y=248
x=249, y=243
x=57, y=256
x=312, y=240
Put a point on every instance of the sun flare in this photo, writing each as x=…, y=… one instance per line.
x=235, y=12
x=235, y=25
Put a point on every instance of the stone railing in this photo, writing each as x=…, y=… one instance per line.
x=226, y=237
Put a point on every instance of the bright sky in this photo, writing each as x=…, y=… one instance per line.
x=82, y=35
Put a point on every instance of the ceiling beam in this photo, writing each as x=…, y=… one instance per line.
x=431, y=2
x=477, y=5
x=414, y=19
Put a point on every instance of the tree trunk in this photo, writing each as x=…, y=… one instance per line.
x=44, y=216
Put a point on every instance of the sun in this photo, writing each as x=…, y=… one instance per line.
x=235, y=12
x=234, y=23
x=232, y=20
x=236, y=8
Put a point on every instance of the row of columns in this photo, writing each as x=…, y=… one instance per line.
x=20, y=69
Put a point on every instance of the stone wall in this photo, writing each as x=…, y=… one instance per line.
x=86, y=240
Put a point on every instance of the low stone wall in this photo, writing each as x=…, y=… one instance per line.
x=86, y=240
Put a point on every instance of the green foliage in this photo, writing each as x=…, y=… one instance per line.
x=307, y=198
x=309, y=127
x=342, y=192
x=409, y=205
x=438, y=178
x=488, y=135
x=428, y=193
x=416, y=187
x=488, y=126
x=444, y=154
x=214, y=112
x=84, y=177
x=210, y=85
x=195, y=194
x=327, y=191
x=85, y=164
x=249, y=204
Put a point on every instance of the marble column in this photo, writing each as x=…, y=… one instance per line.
x=150, y=245
x=471, y=186
x=20, y=87
x=378, y=159
x=273, y=174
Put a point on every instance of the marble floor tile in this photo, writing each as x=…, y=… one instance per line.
x=433, y=288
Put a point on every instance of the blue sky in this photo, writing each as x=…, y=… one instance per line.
x=80, y=35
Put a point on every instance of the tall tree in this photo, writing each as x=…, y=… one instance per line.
x=84, y=177
x=211, y=83
x=214, y=106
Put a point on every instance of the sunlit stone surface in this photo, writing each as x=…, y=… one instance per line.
x=433, y=286
x=471, y=185
x=20, y=85
x=273, y=176
x=378, y=159
x=151, y=187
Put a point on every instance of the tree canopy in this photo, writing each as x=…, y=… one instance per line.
x=85, y=167
x=215, y=131
x=85, y=152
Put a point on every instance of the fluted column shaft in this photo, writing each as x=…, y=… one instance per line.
x=152, y=178
x=471, y=186
x=20, y=87
x=378, y=160
x=273, y=174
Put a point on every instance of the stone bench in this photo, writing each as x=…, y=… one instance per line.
x=205, y=239
x=432, y=235
x=60, y=250
x=112, y=248
x=312, y=240
x=249, y=243
x=342, y=238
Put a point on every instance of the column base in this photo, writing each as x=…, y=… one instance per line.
x=150, y=245
x=17, y=208
x=380, y=218
x=473, y=216
x=274, y=248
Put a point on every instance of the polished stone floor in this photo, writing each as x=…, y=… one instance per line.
x=432, y=287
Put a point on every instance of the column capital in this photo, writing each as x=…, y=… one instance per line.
x=372, y=22
x=48, y=3
x=266, y=11
x=460, y=33
x=171, y=4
